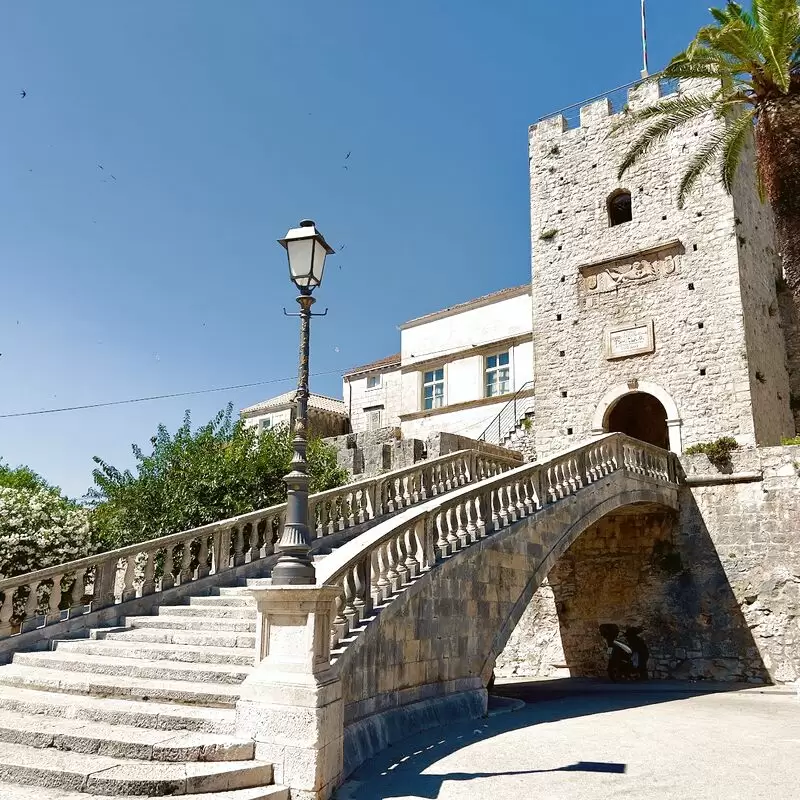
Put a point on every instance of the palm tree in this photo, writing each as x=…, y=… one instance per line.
x=753, y=61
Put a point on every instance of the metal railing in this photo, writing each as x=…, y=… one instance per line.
x=617, y=96
x=506, y=422
x=41, y=598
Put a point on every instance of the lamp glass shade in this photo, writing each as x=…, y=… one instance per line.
x=318, y=262
x=301, y=262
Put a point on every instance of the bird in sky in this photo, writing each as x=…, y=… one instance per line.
x=23, y=94
x=112, y=176
x=348, y=155
x=100, y=166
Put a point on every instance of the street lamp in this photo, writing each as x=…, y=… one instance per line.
x=306, y=248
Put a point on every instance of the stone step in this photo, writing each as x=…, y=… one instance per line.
x=211, y=612
x=217, y=695
x=96, y=774
x=120, y=741
x=203, y=623
x=201, y=638
x=232, y=591
x=16, y=791
x=135, y=713
x=136, y=668
x=232, y=602
x=155, y=651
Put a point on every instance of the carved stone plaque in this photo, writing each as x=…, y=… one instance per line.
x=633, y=339
x=626, y=270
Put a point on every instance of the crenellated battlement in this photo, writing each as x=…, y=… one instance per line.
x=611, y=104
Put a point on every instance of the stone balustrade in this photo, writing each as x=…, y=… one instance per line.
x=374, y=568
x=41, y=598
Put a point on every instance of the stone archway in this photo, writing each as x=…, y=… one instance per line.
x=643, y=410
x=641, y=416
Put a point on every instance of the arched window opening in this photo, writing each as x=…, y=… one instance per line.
x=619, y=208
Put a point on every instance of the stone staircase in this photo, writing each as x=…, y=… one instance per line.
x=147, y=709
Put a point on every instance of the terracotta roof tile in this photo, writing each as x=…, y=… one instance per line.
x=388, y=361
x=318, y=402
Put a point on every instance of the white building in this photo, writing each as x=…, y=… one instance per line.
x=456, y=370
x=326, y=416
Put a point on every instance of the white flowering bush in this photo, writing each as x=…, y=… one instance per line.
x=38, y=529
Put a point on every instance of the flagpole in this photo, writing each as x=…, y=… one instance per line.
x=645, y=70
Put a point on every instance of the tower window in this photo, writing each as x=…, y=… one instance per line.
x=619, y=207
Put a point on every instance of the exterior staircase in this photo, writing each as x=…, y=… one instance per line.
x=510, y=428
x=146, y=706
x=141, y=710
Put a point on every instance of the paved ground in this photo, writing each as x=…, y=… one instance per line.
x=671, y=744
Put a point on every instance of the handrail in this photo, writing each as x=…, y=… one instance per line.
x=376, y=566
x=497, y=425
x=179, y=558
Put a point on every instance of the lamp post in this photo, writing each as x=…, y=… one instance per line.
x=306, y=248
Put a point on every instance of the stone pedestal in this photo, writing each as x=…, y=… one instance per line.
x=291, y=704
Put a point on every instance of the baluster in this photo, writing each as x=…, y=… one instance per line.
x=482, y=506
x=391, y=572
x=149, y=582
x=442, y=547
x=374, y=498
x=462, y=536
x=382, y=584
x=406, y=493
x=519, y=506
x=495, y=501
x=471, y=516
x=339, y=625
x=54, y=602
x=452, y=539
x=361, y=504
x=225, y=549
x=425, y=533
x=572, y=485
x=76, y=596
x=32, y=603
x=401, y=554
x=254, y=550
x=314, y=529
x=185, y=574
x=105, y=576
x=128, y=588
x=168, y=578
x=202, y=555
x=349, y=610
x=528, y=491
x=238, y=548
x=440, y=485
x=7, y=612
x=351, y=509
x=412, y=551
x=363, y=600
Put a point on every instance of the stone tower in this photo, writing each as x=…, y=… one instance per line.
x=657, y=321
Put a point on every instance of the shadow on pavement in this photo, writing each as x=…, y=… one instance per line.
x=399, y=770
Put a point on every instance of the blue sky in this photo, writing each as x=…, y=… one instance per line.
x=223, y=124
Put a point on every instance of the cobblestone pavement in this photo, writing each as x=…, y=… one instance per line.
x=648, y=743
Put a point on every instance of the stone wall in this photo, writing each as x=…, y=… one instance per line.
x=672, y=275
x=717, y=587
x=386, y=397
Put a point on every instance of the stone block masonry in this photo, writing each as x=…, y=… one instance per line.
x=716, y=586
x=683, y=299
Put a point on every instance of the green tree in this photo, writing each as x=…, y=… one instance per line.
x=23, y=478
x=753, y=62
x=195, y=477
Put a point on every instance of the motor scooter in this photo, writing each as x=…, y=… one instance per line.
x=627, y=655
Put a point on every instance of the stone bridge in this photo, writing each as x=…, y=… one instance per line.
x=425, y=573
x=406, y=622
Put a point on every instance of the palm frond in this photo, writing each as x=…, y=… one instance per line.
x=735, y=139
x=701, y=161
x=685, y=106
x=653, y=134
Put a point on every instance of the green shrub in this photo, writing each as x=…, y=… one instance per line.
x=718, y=451
x=792, y=440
